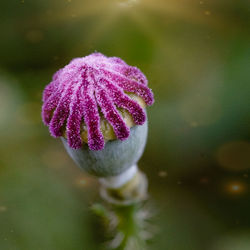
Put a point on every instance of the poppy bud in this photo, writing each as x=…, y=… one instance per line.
x=96, y=105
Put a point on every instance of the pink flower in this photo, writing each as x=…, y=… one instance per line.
x=90, y=85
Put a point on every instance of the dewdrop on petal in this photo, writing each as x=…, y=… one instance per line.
x=96, y=105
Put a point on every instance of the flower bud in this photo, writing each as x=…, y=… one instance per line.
x=96, y=105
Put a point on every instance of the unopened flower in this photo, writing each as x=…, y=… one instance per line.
x=96, y=104
x=95, y=99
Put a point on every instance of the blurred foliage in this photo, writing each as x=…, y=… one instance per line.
x=196, y=55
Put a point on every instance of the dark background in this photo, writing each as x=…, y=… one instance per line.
x=196, y=55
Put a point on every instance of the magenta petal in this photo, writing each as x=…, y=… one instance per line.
x=131, y=86
x=111, y=114
x=61, y=112
x=92, y=120
x=48, y=91
x=49, y=106
x=123, y=101
x=73, y=127
x=134, y=108
x=135, y=74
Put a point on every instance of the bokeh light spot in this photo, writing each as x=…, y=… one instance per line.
x=207, y=13
x=3, y=209
x=162, y=174
x=80, y=182
x=235, y=187
x=126, y=3
x=84, y=181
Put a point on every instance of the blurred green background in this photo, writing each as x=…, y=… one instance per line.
x=196, y=55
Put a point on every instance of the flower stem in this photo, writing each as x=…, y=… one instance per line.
x=123, y=213
x=125, y=189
